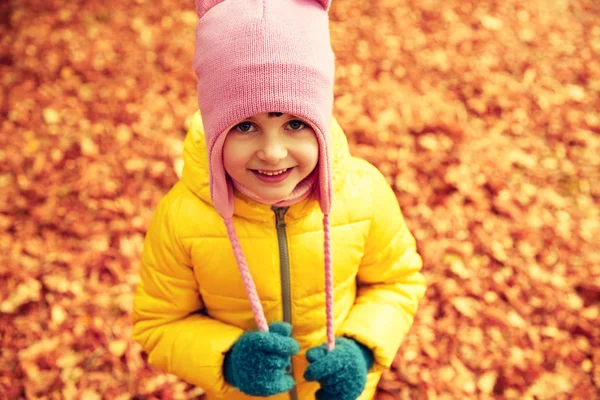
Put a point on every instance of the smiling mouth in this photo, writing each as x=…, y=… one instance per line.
x=271, y=173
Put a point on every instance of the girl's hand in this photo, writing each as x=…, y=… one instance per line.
x=257, y=362
x=341, y=372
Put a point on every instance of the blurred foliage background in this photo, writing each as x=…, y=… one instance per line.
x=483, y=115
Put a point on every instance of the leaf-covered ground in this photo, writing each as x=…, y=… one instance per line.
x=484, y=115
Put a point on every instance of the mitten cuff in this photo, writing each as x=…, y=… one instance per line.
x=228, y=369
x=366, y=353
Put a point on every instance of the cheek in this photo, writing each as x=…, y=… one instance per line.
x=311, y=154
x=314, y=157
x=232, y=157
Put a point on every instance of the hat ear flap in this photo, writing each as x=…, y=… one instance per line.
x=325, y=4
x=202, y=6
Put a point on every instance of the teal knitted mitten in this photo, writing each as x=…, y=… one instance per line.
x=342, y=372
x=257, y=362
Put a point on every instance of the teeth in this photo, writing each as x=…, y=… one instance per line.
x=271, y=173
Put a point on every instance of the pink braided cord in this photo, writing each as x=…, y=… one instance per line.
x=328, y=284
x=257, y=310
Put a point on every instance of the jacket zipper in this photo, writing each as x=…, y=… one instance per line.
x=284, y=266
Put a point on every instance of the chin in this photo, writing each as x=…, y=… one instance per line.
x=275, y=197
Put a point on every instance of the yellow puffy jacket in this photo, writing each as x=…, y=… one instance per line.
x=190, y=305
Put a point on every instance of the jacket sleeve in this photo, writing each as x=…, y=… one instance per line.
x=390, y=284
x=167, y=314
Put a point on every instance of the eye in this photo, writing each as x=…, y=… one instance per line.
x=296, y=125
x=245, y=127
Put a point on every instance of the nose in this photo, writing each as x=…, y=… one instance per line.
x=272, y=151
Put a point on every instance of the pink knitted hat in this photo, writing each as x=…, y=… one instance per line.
x=259, y=56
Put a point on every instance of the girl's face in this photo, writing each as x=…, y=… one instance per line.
x=270, y=154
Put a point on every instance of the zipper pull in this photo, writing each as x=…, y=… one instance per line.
x=280, y=215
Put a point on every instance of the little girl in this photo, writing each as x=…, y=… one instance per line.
x=272, y=221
